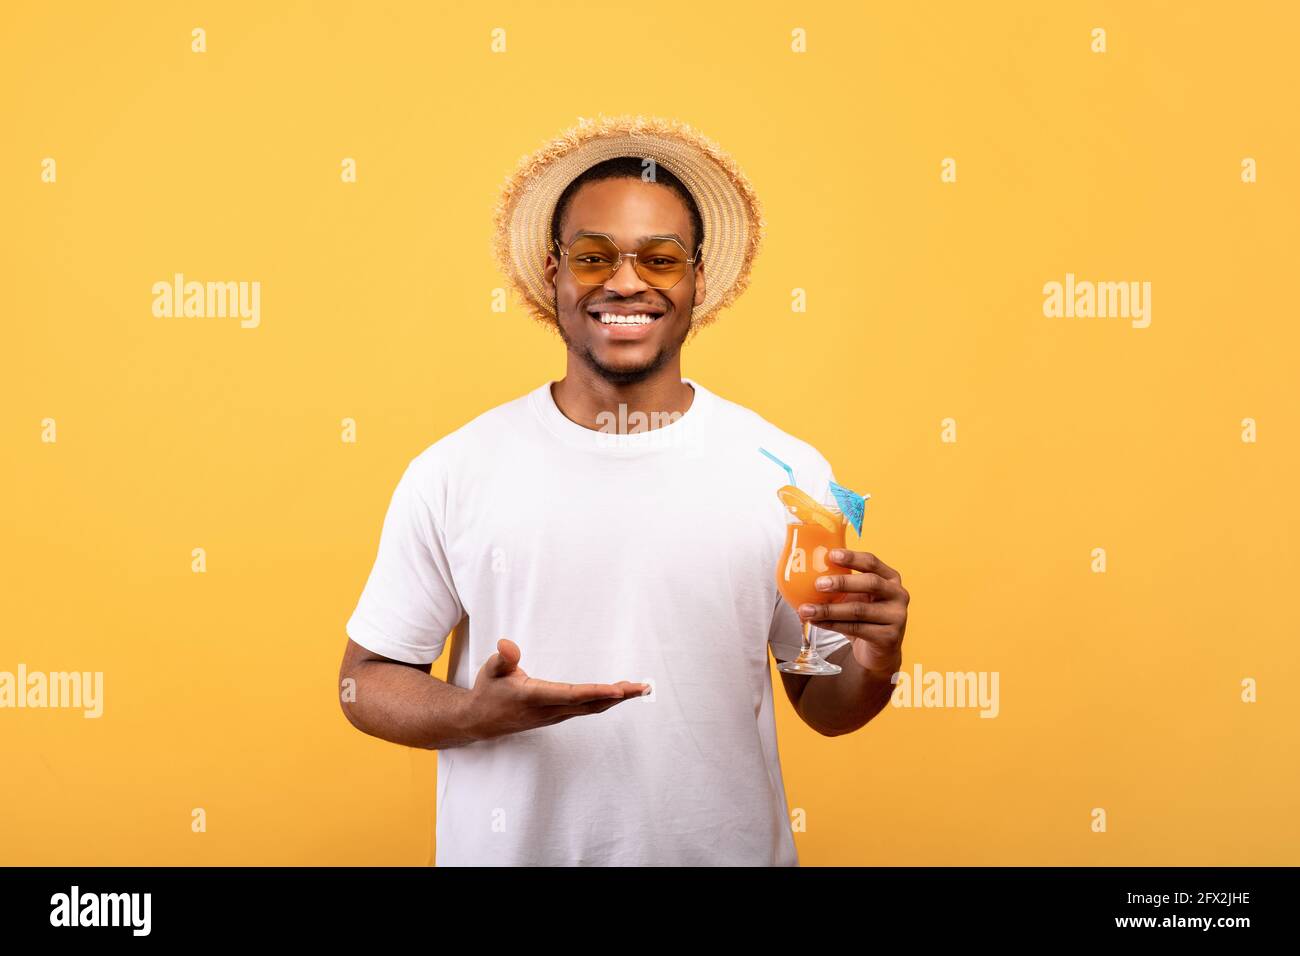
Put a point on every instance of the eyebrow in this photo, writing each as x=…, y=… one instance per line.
x=639, y=239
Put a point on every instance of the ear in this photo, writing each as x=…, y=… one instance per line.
x=701, y=281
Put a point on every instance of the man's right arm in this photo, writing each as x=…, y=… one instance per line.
x=405, y=704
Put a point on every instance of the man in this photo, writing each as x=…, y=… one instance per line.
x=604, y=548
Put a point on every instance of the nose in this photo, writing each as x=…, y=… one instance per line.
x=625, y=280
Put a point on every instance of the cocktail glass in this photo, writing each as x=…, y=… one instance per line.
x=812, y=530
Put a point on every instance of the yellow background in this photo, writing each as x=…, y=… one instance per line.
x=1118, y=690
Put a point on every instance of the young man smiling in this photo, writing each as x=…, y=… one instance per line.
x=636, y=577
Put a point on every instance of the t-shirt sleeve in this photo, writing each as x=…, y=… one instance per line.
x=786, y=635
x=409, y=604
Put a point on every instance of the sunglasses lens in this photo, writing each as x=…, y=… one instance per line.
x=660, y=263
x=592, y=259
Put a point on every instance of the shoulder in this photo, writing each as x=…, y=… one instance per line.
x=476, y=440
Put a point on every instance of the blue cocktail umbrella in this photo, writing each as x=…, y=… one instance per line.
x=852, y=505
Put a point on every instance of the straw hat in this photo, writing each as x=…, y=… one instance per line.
x=733, y=221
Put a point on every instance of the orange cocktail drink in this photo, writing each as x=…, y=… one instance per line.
x=805, y=558
x=812, y=531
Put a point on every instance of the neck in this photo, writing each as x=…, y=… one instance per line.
x=582, y=395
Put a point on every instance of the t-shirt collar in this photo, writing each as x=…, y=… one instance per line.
x=622, y=437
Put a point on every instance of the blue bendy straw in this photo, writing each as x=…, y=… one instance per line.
x=787, y=468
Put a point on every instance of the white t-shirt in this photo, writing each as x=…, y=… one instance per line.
x=644, y=557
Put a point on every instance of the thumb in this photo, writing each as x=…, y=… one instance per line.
x=504, y=661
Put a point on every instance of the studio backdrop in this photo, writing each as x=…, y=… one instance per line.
x=1027, y=279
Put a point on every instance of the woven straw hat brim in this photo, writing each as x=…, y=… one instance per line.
x=729, y=208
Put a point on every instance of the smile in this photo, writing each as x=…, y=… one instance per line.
x=613, y=318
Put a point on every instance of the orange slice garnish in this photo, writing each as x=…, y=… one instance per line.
x=807, y=509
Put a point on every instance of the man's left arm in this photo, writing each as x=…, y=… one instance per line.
x=874, y=619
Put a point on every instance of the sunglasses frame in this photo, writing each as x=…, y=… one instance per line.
x=625, y=255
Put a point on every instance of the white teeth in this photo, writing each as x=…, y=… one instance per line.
x=609, y=318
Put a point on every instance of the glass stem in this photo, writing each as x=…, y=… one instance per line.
x=809, y=644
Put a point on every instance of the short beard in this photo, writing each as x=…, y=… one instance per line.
x=614, y=376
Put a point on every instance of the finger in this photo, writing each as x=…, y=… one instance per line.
x=600, y=706
x=567, y=715
x=869, y=582
x=863, y=561
x=873, y=612
x=570, y=714
x=504, y=661
x=631, y=691
x=564, y=712
x=542, y=692
x=885, y=638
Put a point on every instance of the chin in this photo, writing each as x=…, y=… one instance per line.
x=625, y=369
